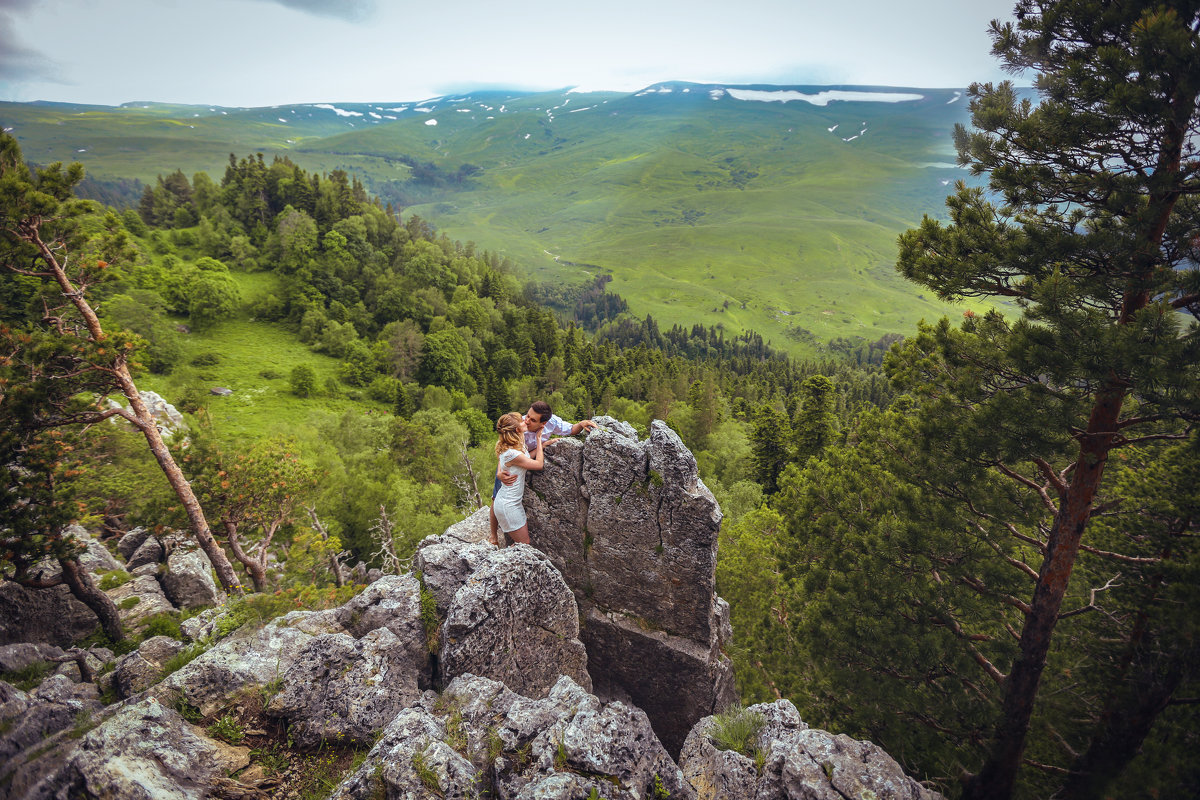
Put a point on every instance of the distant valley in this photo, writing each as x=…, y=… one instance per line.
x=757, y=207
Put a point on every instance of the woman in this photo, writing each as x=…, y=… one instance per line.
x=508, y=504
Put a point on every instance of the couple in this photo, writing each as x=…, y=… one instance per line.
x=519, y=436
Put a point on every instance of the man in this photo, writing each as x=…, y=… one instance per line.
x=539, y=421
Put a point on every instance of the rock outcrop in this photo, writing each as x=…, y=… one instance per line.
x=143, y=751
x=481, y=735
x=515, y=620
x=188, y=579
x=796, y=761
x=633, y=530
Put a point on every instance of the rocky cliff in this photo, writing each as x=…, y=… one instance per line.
x=588, y=666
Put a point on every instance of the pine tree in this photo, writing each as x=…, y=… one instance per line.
x=1094, y=238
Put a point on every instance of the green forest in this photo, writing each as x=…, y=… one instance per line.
x=974, y=545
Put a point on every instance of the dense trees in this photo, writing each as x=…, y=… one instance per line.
x=1094, y=238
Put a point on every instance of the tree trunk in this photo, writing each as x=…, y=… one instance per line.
x=257, y=574
x=86, y=591
x=145, y=423
x=996, y=779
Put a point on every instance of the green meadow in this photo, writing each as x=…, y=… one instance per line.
x=740, y=213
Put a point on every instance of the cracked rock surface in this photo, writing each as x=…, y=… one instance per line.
x=514, y=620
x=797, y=762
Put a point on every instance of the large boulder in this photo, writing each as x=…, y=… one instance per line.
x=446, y=562
x=144, y=751
x=344, y=689
x=150, y=551
x=796, y=762
x=28, y=718
x=139, y=599
x=188, y=579
x=95, y=556
x=515, y=620
x=24, y=654
x=247, y=657
x=480, y=735
x=43, y=615
x=141, y=669
x=128, y=544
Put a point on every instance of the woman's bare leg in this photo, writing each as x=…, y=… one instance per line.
x=520, y=535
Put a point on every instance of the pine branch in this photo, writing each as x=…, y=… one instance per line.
x=1091, y=606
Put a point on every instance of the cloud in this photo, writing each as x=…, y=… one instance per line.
x=349, y=10
x=17, y=61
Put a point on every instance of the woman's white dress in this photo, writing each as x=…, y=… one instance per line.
x=509, y=503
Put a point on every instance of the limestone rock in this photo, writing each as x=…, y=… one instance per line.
x=150, y=551
x=128, y=544
x=797, y=762
x=202, y=625
x=27, y=719
x=633, y=530
x=144, y=751
x=675, y=680
x=150, y=599
x=141, y=669
x=188, y=581
x=23, y=654
x=96, y=557
x=564, y=745
x=471, y=530
x=346, y=689
x=167, y=418
x=413, y=737
x=248, y=657
x=515, y=620
x=445, y=563
x=43, y=615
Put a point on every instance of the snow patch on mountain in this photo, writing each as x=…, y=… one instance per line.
x=341, y=112
x=822, y=98
x=431, y=122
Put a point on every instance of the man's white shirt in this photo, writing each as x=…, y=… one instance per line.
x=554, y=427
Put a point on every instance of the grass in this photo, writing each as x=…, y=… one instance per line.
x=27, y=678
x=744, y=214
x=228, y=730
x=736, y=729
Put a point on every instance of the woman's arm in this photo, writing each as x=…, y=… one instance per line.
x=535, y=463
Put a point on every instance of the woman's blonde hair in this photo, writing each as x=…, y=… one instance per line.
x=509, y=428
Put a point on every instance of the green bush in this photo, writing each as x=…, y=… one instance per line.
x=114, y=578
x=303, y=381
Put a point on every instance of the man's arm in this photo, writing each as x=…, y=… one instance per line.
x=582, y=425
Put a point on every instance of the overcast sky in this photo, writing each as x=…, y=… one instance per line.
x=275, y=52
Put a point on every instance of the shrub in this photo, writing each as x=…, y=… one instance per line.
x=736, y=728
x=303, y=381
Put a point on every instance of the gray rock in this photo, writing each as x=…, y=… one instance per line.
x=150, y=551
x=248, y=657
x=23, y=654
x=144, y=751
x=202, y=625
x=481, y=733
x=221, y=391
x=141, y=669
x=346, y=689
x=27, y=719
x=414, y=736
x=149, y=569
x=633, y=530
x=43, y=615
x=150, y=600
x=471, y=530
x=96, y=557
x=188, y=580
x=70, y=669
x=445, y=563
x=167, y=418
x=797, y=762
x=515, y=620
x=128, y=544
x=675, y=680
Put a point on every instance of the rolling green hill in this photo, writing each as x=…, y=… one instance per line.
x=706, y=204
